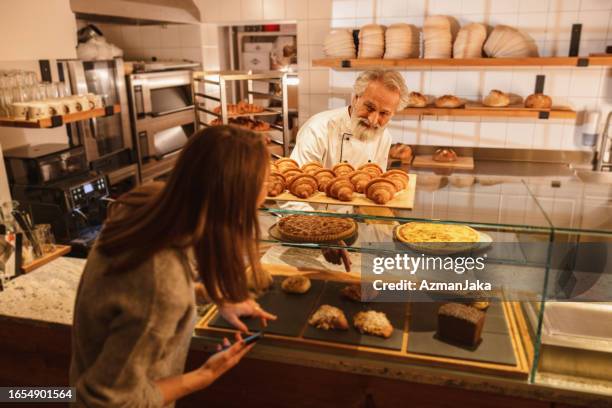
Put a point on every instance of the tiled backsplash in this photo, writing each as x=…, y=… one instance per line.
x=547, y=21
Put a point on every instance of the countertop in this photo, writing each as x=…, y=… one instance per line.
x=46, y=296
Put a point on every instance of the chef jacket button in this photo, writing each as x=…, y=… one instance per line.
x=347, y=139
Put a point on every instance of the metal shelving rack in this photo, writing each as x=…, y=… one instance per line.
x=221, y=79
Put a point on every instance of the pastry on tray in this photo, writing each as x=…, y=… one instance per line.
x=445, y=155
x=285, y=163
x=315, y=228
x=328, y=317
x=274, y=168
x=372, y=168
x=373, y=323
x=398, y=177
x=380, y=190
x=416, y=100
x=429, y=232
x=357, y=293
x=538, y=101
x=459, y=323
x=291, y=173
x=324, y=176
x=400, y=151
x=340, y=188
x=448, y=101
x=311, y=167
x=298, y=284
x=360, y=180
x=303, y=185
x=276, y=184
x=496, y=98
x=342, y=169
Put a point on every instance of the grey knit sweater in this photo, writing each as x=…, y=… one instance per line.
x=131, y=328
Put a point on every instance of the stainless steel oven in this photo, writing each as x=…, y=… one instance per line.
x=107, y=140
x=162, y=118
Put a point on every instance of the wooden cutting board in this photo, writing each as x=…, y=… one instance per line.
x=426, y=161
x=403, y=200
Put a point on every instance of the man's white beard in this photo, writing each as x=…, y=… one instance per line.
x=361, y=130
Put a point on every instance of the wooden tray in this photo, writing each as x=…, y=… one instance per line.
x=45, y=259
x=504, y=321
x=403, y=200
x=426, y=161
x=515, y=106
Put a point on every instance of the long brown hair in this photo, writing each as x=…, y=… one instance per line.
x=208, y=203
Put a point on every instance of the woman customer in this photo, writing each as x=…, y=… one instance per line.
x=135, y=309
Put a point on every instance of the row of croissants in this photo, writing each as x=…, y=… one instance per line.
x=339, y=182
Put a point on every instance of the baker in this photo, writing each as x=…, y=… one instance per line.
x=357, y=133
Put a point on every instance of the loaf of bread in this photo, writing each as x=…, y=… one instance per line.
x=459, y=323
x=416, y=100
x=448, y=101
x=496, y=98
x=445, y=155
x=538, y=101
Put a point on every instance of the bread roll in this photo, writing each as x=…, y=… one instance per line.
x=448, y=101
x=496, y=98
x=538, y=101
x=416, y=100
x=445, y=155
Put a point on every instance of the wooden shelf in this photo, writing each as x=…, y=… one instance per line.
x=60, y=120
x=45, y=259
x=557, y=112
x=458, y=63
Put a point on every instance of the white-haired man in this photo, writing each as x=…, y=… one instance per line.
x=357, y=133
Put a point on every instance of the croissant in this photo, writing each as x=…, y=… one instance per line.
x=360, y=179
x=342, y=169
x=276, y=184
x=323, y=177
x=372, y=168
x=291, y=173
x=340, y=188
x=286, y=163
x=274, y=168
x=311, y=167
x=303, y=186
x=398, y=177
x=380, y=190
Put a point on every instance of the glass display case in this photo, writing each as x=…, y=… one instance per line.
x=575, y=340
x=515, y=236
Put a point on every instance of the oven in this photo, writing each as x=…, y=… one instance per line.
x=162, y=117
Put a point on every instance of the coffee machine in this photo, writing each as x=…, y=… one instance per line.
x=53, y=182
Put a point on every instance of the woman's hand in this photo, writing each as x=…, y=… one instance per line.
x=232, y=312
x=227, y=356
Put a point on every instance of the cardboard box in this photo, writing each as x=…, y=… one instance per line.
x=259, y=61
x=258, y=47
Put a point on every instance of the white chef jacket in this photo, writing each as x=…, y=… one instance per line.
x=327, y=138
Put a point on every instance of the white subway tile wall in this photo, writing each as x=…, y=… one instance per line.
x=549, y=22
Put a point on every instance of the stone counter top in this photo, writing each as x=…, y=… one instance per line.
x=46, y=296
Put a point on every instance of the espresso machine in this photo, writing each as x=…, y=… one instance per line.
x=53, y=182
